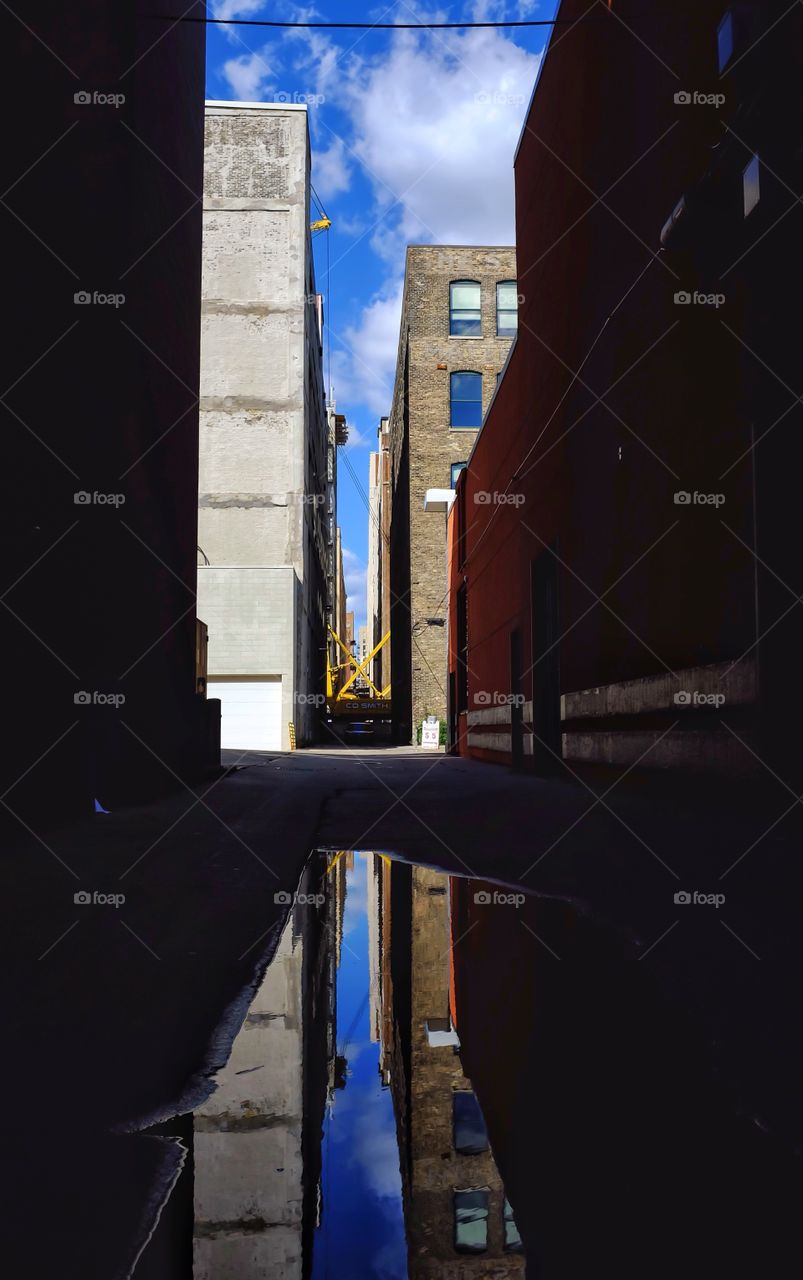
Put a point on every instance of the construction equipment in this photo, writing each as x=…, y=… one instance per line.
x=350, y=691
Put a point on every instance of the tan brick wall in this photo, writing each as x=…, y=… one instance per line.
x=437, y=1169
x=433, y=445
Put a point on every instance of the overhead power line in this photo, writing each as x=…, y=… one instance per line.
x=377, y=26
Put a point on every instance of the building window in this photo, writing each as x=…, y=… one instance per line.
x=454, y=472
x=464, y=309
x=507, y=309
x=465, y=400
x=468, y=1124
x=751, y=185
x=441, y=1033
x=725, y=41
x=471, y=1220
x=512, y=1238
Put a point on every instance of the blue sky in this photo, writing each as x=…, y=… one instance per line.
x=362, y=1227
x=412, y=136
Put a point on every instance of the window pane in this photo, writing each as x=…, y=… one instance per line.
x=454, y=472
x=513, y=1242
x=464, y=308
x=470, y=1134
x=466, y=413
x=465, y=296
x=466, y=386
x=471, y=1221
x=465, y=322
x=507, y=301
x=507, y=324
x=466, y=399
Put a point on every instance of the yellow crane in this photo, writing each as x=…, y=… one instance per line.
x=342, y=699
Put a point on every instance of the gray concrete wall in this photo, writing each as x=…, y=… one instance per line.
x=262, y=473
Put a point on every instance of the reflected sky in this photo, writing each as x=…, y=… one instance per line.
x=362, y=1225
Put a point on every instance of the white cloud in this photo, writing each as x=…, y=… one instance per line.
x=331, y=173
x=355, y=572
x=236, y=8
x=434, y=121
x=249, y=75
x=364, y=355
x=436, y=125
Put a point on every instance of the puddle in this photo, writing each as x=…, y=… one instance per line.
x=439, y=1077
x=343, y=1138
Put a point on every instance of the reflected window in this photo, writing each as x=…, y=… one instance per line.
x=725, y=41
x=465, y=391
x=513, y=1242
x=440, y=1033
x=507, y=309
x=470, y=1134
x=471, y=1220
x=751, y=185
x=465, y=319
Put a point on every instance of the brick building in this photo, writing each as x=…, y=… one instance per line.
x=626, y=534
x=458, y=317
x=457, y=1219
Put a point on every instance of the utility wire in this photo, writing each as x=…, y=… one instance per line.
x=377, y=26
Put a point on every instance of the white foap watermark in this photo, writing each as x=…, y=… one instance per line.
x=497, y=898
x=85, y=898
x=284, y=899
x=83, y=698
x=83, y=498
x=299, y=99
x=695, y=98
x=683, y=498
x=685, y=899
x=483, y=498
x=97, y=98
x=83, y=298
x=683, y=298
x=486, y=698
x=695, y=698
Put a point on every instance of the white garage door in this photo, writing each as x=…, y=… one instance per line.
x=251, y=713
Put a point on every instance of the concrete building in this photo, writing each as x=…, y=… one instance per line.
x=458, y=316
x=336, y=590
x=362, y=644
x=626, y=534
x=263, y=486
x=102, y=245
x=257, y=1139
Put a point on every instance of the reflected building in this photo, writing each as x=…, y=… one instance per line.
x=257, y=1141
x=457, y=1218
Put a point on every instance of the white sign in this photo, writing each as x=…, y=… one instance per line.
x=430, y=733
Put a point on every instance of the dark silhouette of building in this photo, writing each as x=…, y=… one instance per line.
x=101, y=218
x=625, y=565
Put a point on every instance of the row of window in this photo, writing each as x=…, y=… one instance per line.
x=465, y=309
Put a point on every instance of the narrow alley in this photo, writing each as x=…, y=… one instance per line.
x=400, y=805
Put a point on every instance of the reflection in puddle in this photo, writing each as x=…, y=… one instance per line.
x=432, y=1066
x=343, y=1139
